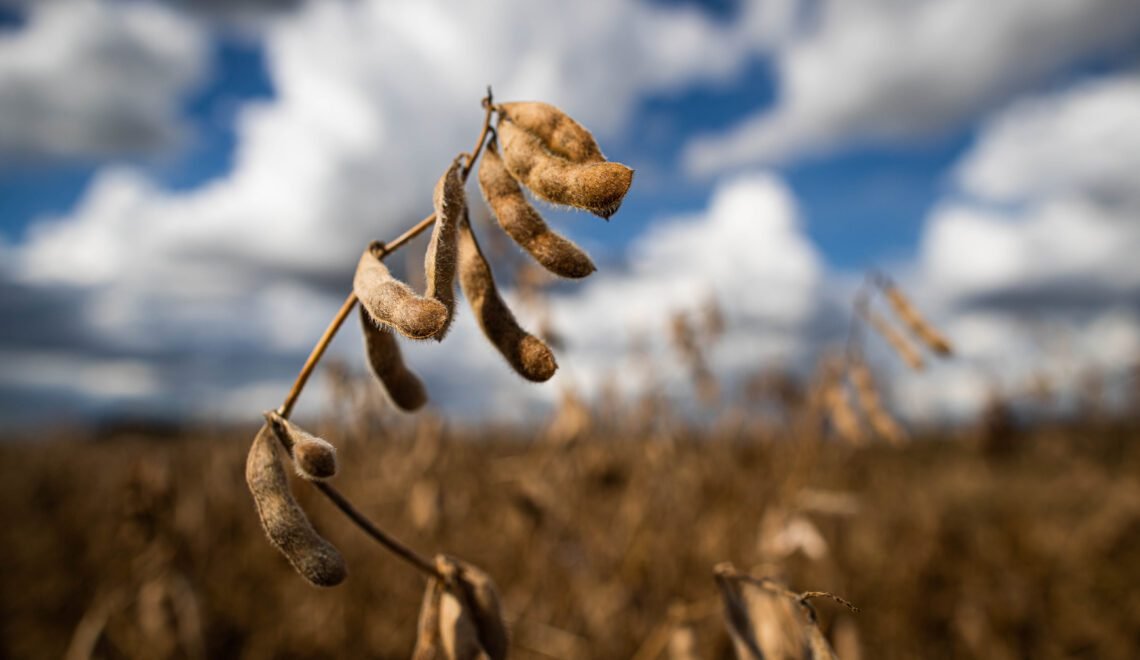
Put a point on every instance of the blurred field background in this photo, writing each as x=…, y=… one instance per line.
x=996, y=539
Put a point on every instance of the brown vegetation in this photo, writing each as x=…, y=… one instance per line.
x=948, y=550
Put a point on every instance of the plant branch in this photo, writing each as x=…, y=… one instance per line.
x=384, y=249
x=425, y=565
x=315, y=356
x=380, y=250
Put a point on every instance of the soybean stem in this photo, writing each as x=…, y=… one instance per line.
x=417, y=560
x=315, y=356
x=385, y=249
x=414, y=558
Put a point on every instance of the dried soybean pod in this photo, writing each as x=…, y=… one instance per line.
x=429, y=646
x=482, y=599
x=557, y=131
x=439, y=262
x=391, y=302
x=737, y=618
x=872, y=404
x=899, y=343
x=283, y=520
x=527, y=354
x=460, y=618
x=917, y=323
x=404, y=388
x=842, y=415
x=523, y=224
x=597, y=187
x=314, y=458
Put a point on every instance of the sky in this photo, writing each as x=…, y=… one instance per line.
x=185, y=189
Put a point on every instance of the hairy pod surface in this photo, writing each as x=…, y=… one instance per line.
x=597, y=187
x=450, y=204
x=527, y=354
x=916, y=322
x=905, y=350
x=404, y=388
x=523, y=223
x=557, y=130
x=313, y=458
x=393, y=303
x=286, y=525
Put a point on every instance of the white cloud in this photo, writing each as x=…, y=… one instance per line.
x=1070, y=161
x=1080, y=142
x=890, y=70
x=373, y=100
x=1039, y=244
x=973, y=253
x=88, y=78
x=105, y=379
x=221, y=289
x=747, y=250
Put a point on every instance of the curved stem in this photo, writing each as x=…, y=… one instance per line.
x=385, y=249
x=421, y=563
x=425, y=565
x=315, y=355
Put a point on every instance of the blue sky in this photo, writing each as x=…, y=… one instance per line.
x=172, y=171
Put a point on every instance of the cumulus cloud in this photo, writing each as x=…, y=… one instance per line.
x=220, y=290
x=1082, y=142
x=1047, y=202
x=1029, y=263
x=747, y=251
x=92, y=79
x=892, y=70
x=372, y=100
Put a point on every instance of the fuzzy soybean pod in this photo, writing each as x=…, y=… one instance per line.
x=393, y=303
x=404, y=388
x=842, y=415
x=597, y=187
x=523, y=223
x=313, y=458
x=460, y=618
x=872, y=404
x=915, y=321
x=450, y=204
x=556, y=129
x=898, y=342
x=527, y=354
x=286, y=525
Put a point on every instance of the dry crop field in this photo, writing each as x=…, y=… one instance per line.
x=988, y=543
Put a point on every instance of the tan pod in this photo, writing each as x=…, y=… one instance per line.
x=393, y=303
x=597, y=187
x=523, y=223
x=439, y=261
x=286, y=525
x=313, y=458
x=557, y=131
x=404, y=388
x=527, y=354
